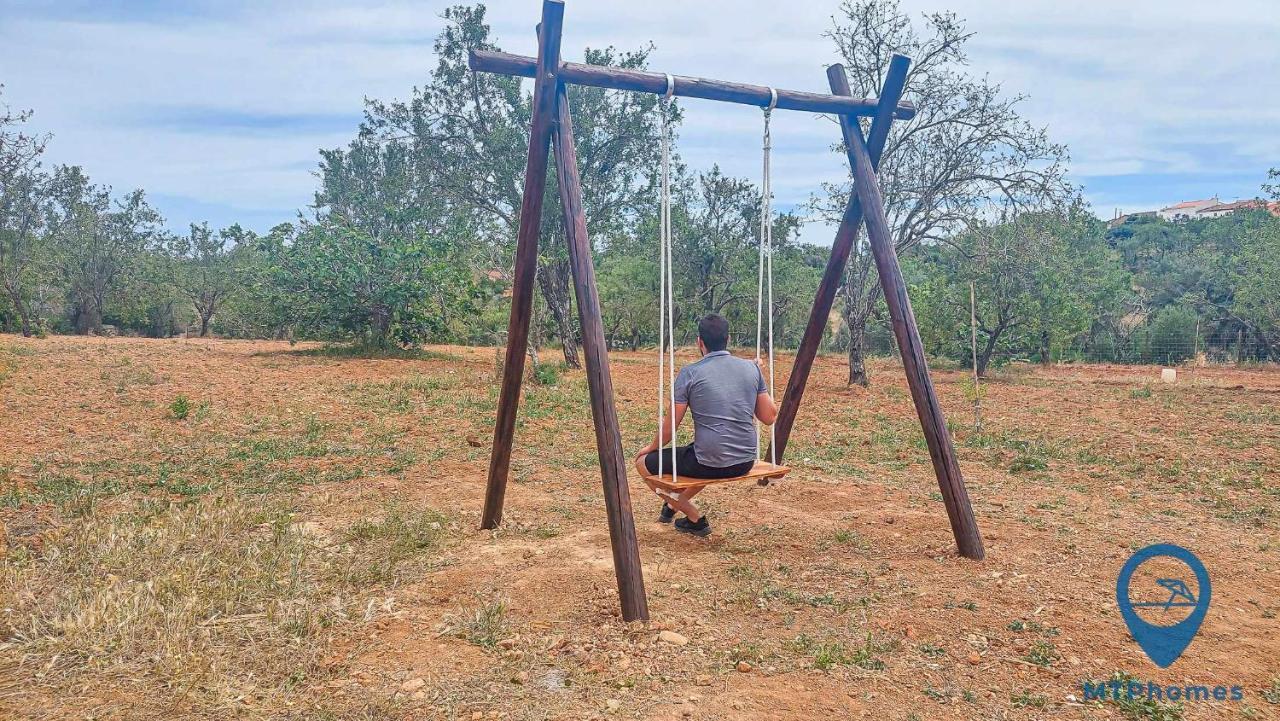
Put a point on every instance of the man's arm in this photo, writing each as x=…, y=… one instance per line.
x=663, y=436
x=766, y=409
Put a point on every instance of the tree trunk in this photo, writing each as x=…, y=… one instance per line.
x=88, y=319
x=24, y=313
x=861, y=291
x=989, y=349
x=381, y=326
x=553, y=279
x=204, y=325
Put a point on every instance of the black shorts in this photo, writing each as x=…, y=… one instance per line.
x=690, y=467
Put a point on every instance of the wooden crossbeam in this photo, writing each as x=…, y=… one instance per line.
x=644, y=81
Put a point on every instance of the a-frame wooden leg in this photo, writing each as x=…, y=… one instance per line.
x=846, y=238
x=954, y=495
x=613, y=464
x=535, y=182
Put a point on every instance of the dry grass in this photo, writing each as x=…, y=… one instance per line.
x=224, y=602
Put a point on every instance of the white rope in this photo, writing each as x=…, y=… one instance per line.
x=666, y=294
x=764, y=280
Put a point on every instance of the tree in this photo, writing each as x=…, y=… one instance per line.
x=1257, y=279
x=1041, y=280
x=379, y=260
x=265, y=304
x=23, y=201
x=968, y=144
x=470, y=130
x=203, y=269
x=98, y=241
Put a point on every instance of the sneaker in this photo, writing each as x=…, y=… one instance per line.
x=701, y=528
x=666, y=514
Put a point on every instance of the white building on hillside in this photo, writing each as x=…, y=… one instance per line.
x=1219, y=210
x=1186, y=210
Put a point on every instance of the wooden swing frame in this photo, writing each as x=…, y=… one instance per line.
x=552, y=122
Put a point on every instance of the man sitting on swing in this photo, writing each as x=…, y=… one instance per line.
x=725, y=393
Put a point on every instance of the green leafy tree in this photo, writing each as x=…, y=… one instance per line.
x=98, y=242
x=1257, y=298
x=1040, y=281
x=203, y=268
x=265, y=304
x=379, y=260
x=23, y=205
x=470, y=131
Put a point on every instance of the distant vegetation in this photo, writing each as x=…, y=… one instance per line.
x=410, y=237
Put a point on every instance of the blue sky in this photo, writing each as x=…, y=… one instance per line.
x=217, y=109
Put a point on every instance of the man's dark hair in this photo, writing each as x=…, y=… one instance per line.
x=714, y=332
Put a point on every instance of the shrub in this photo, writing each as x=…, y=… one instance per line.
x=180, y=407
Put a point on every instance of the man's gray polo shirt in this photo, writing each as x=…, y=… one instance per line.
x=721, y=392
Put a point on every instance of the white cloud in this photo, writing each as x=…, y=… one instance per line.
x=1135, y=88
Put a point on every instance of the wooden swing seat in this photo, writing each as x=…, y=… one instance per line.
x=762, y=472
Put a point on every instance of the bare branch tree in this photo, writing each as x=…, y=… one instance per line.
x=967, y=147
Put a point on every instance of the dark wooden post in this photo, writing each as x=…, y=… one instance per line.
x=943, y=454
x=535, y=181
x=846, y=238
x=613, y=464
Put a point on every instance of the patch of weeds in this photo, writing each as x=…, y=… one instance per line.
x=1140, y=707
x=401, y=460
x=746, y=651
x=829, y=654
x=1143, y=392
x=483, y=624
x=171, y=479
x=547, y=374
x=180, y=408
x=937, y=694
x=966, y=605
x=1042, y=653
x=315, y=429
x=1025, y=462
x=370, y=351
x=380, y=546
x=125, y=374
x=1026, y=699
x=1034, y=626
x=184, y=592
x=931, y=651
x=851, y=537
x=73, y=497
x=202, y=411
x=867, y=655
x=1272, y=695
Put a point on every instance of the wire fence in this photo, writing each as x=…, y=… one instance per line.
x=1140, y=347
